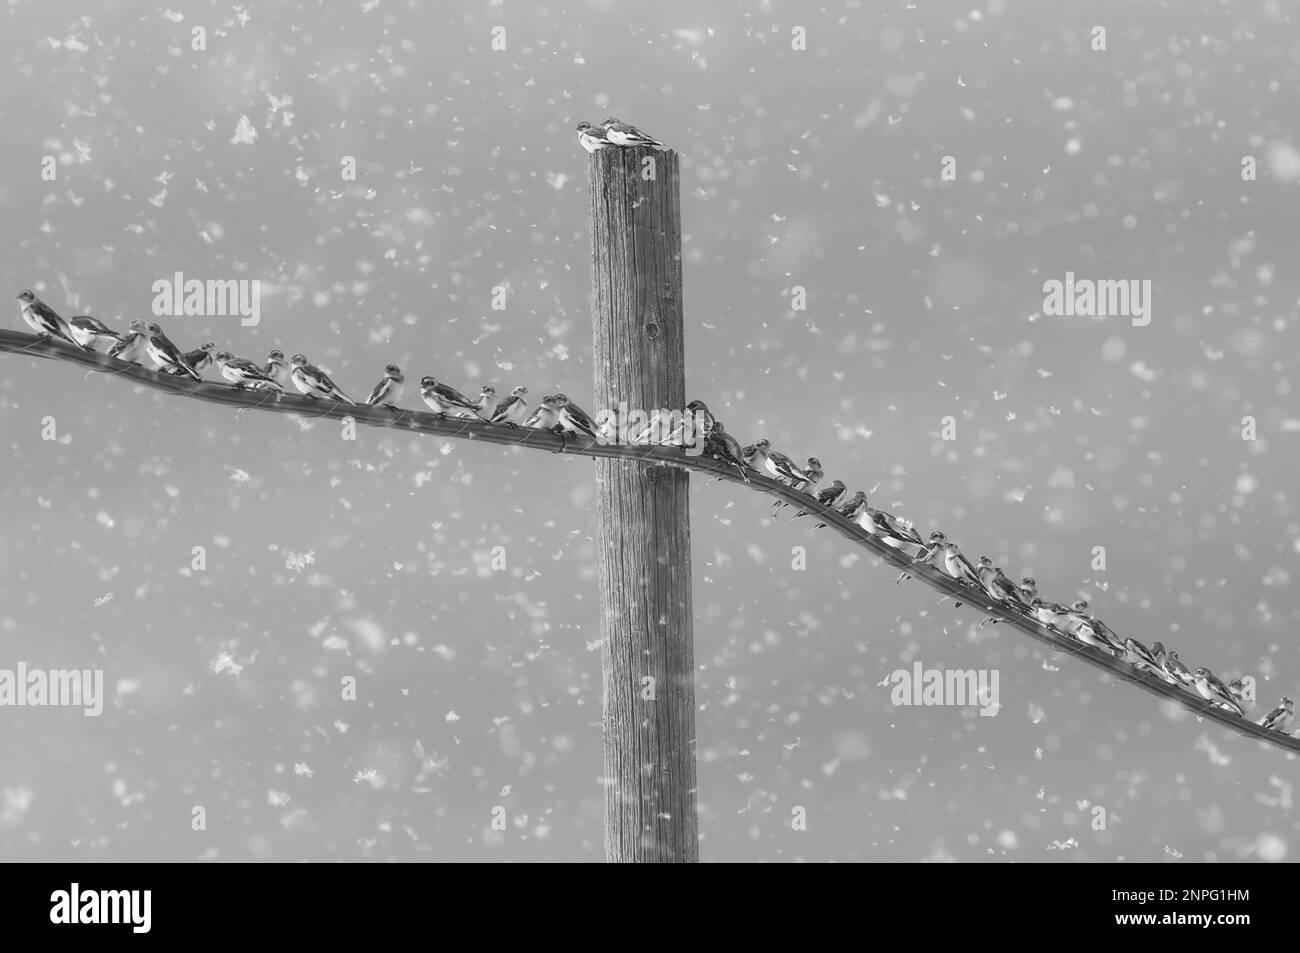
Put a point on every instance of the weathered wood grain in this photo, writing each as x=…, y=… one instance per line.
x=643, y=514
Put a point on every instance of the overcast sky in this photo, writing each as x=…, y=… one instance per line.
x=818, y=168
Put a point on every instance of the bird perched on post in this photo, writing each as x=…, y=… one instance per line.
x=132, y=345
x=244, y=374
x=167, y=355
x=624, y=134
x=1215, y=692
x=546, y=416
x=1280, y=717
x=512, y=410
x=312, y=382
x=573, y=419
x=445, y=400
x=91, y=332
x=592, y=138
x=45, y=321
x=277, y=367
x=389, y=389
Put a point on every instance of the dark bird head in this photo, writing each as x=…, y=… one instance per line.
x=583, y=126
x=428, y=382
x=1287, y=702
x=560, y=400
x=986, y=563
x=488, y=389
x=392, y=370
x=697, y=405
x=275, y=354
x=208, y=346
x=1202, y=673
x=299, y=360
x=222, y=357
x=1029, y=582
x=938, y=537
x=26, y=297
x=763, y=445
x=717, y=426
x=1079, y=605
x=814, y=463
x=154, y=329
x=837, y=485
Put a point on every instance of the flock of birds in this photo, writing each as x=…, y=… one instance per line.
x=560, y=414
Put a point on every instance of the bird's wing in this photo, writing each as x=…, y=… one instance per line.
x=452, y=396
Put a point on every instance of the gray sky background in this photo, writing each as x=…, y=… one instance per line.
x=817, y=168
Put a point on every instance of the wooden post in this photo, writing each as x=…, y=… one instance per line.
x=643, y=511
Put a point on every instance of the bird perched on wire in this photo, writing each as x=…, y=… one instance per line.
x=1280, y=717
x=486, y=401
x=1158, y=653
x=1080, y=623
x=244, y=374
x=1145, y=659
x=201, y=356
x=624, y=134
x=926, y=555
x=388, y=392
x=1244, y=695
x=132, y=345
x=573, y=419
x=445, y=400
x=167, y=355
x=592, y=138
x=814, y=474
x=277, y=367
x=313, y=382
x=762, y=457
x=1215, y=692
x=513, y=409
x=1175, y=667
x=90, y=332
x=721, y=445
x=849, y=508
x=889, y=529
x=45, y=321
x=546, y=416
x=828, y=496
